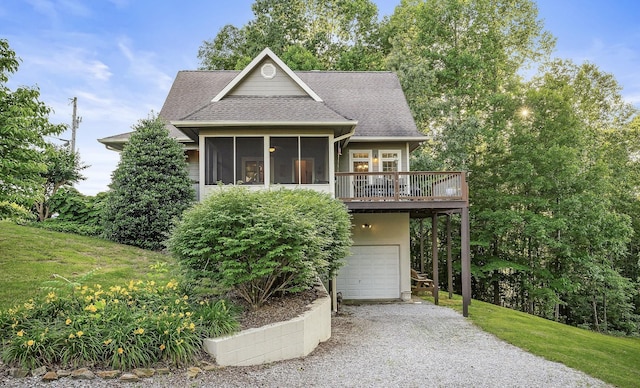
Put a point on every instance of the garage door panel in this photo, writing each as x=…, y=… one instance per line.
x=371, y=272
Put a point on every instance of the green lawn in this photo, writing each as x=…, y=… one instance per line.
x=30, y=256
x=615, y=360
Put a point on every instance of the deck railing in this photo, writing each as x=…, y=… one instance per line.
x=401, y=186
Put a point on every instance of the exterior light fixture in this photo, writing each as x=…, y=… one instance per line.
x=366, y=226
x=272, y=149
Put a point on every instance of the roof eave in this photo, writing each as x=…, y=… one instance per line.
x=240, y=123
x=191, y=128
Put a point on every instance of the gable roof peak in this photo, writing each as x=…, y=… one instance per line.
x=266, y=53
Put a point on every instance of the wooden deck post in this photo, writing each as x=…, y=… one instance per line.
x=421, y=245
x=449, y=261
x=466, y=260
x=434, y=250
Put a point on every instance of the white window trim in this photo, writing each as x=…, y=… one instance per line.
x=381, y=159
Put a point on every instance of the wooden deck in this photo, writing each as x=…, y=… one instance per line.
x=402, y=190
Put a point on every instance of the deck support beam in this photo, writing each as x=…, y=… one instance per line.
x=465, y=254
x=434, y=255
x=449, y=260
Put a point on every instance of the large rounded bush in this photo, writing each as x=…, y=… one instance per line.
x=262, y=242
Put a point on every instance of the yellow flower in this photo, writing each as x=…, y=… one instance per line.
x=79, y=333
x=107, y=342
x=68, y=321
x=116, y=301
x=188, y=313
x=177, y=301
x=162, y=347
x=20, y=333
x=166, y=332
x=192, y=326
x=138, y=331
x=30, y=342
x=120, y=350
x=72, y=336
x=181, y=315
x=185, y=297
x=91, y=308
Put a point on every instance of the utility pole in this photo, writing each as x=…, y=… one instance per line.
x=74, y=123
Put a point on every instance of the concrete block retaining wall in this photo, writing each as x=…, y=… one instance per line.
x=277, y=341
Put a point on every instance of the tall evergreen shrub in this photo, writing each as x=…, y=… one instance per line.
x=150, y=188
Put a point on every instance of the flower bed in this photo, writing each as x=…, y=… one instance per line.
x=294, y=338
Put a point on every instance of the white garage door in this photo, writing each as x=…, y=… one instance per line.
x=371, y=272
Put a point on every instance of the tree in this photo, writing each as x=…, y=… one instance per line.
x=150, y=188
x=24, y=121
x=457, y=60
x=306, y=34
x=63, y=169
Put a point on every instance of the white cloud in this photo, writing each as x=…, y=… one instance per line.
x=142, y=65
x=73, y=62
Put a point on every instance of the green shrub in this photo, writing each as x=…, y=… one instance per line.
x=123, y=327
x=14, y=212
x=263, y=242
x=69, y=227
x=150, y=188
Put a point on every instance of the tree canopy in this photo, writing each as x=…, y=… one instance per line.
x=306, y=34
x=24, y=123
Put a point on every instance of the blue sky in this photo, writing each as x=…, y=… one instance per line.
x=119, y=57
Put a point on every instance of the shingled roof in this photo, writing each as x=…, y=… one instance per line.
x=374, y=99
x=373, y=102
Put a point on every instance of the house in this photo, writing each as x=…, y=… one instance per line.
x=349, y=134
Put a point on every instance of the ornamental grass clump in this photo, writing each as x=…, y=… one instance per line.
x=123, y=327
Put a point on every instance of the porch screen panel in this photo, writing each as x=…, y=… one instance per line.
x=250, y=160
x=283, y=154
x=314, y=160
x=218, y=160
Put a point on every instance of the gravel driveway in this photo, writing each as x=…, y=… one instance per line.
x=389, y=345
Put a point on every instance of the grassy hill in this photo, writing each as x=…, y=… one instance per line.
x=615, y=360
x=30, y=256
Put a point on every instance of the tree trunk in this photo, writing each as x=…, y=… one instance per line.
x=595, y=314
x=604, y=312
x=496, y=288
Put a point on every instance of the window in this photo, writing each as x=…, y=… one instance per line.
x=389, y=161
x=314, y=160
x=299, y=160
x=219, y=160
x=290, y=160
x=250, y=160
